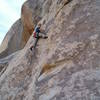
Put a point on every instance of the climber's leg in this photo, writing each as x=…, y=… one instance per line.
x=33, y=46
x=37, y=38
x=36, y=42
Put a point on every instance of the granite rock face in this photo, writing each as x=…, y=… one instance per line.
x=66, y=66
x=12, y=40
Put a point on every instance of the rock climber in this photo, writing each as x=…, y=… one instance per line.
x=36, y=35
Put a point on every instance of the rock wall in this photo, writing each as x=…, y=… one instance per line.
x=63, y=67
x=26, y=18
x=12, y=40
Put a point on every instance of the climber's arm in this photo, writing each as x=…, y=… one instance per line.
x=42, y=31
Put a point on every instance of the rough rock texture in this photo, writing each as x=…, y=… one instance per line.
x=26, y=18
x=66, y=66
x=12, y=40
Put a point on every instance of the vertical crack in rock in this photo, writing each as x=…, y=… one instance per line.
x=3, y=67
x=65, y=3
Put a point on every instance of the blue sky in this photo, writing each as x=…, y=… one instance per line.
x=9, y=12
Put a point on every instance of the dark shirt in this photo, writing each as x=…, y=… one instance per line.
x=37, y=29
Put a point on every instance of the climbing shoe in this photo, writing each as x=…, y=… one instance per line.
x=31, y=48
